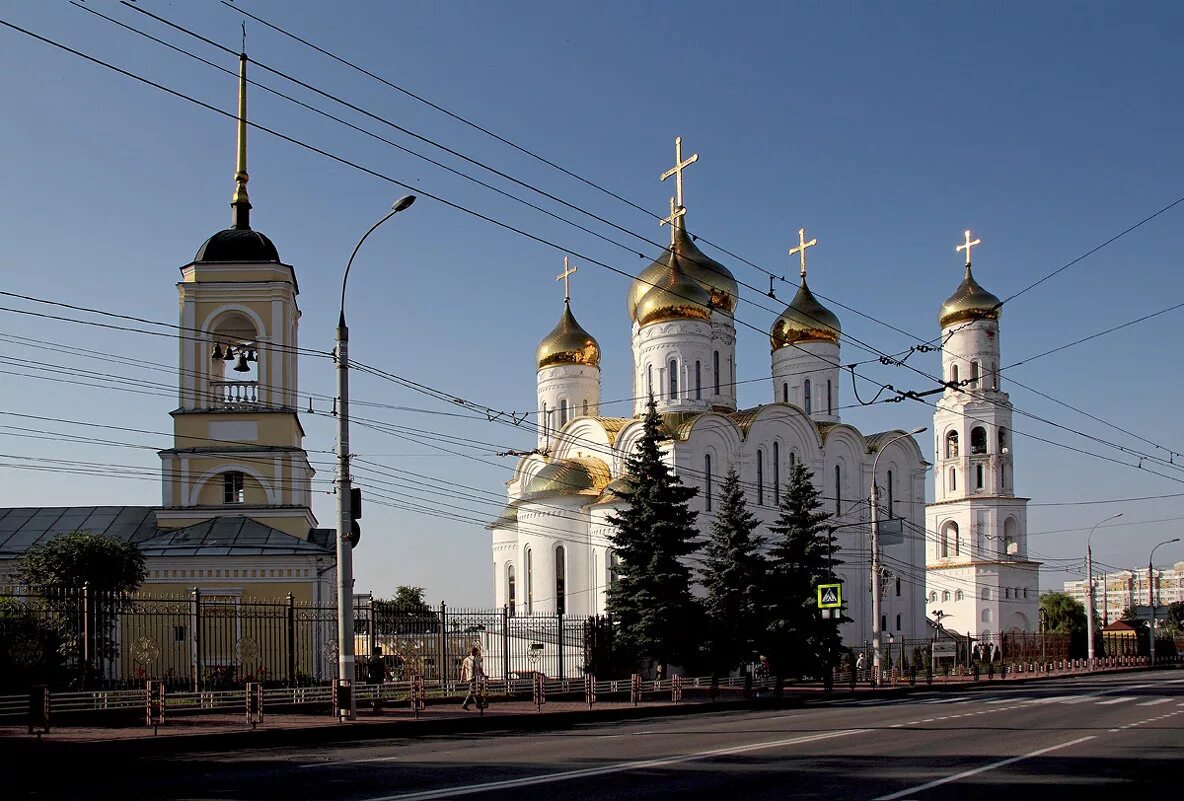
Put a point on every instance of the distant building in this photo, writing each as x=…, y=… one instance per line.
x=1114, y=592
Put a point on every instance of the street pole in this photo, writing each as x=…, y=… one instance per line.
x=1089, y=589
x=875, y=501
x=1151, y=595
x=344, y=485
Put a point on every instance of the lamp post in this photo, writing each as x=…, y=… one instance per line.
x=875, y=501
x=1089, y=589
x=345, y=542
x=1151, y=595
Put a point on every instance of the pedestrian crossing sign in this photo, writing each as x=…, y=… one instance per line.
x=830, y=596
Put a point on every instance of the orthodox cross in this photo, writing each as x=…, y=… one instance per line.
x=967, y=247
x=676, y=211
x=679, y=166
x=563, y=276
x=801, y=248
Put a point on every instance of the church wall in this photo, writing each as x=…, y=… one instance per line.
x=813, y=362
x=576, y=384
x=685, y=343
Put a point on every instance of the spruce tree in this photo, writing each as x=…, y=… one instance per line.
x=733, y=574
x=800, y=642
x=651, y=600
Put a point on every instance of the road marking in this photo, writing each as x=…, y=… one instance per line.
x=619, y=767
x=1081, y=699
x=1122, y=699
x=947, y=700
x=983, y=769
x=1153, y=702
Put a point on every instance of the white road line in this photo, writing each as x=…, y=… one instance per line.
x=1153, y=702
x=619, y=767
x=947, y=700
x=983, y=769
x=1122, y=699
x=1081, y=699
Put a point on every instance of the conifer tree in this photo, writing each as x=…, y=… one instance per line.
x=800, y=642
x=733, y=575
x=651, y=600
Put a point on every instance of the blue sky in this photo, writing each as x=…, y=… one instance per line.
x=885, y=130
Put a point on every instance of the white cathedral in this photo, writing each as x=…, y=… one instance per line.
x=552, y=546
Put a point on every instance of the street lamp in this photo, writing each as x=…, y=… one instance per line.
x=875, y=498
x=345, y=542
x=1089, y=589
x=1151, y=595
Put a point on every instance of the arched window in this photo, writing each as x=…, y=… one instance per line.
x=614, y=565
x=776, y=475
x=707, y=481
x=584, y=408
x=978, y=476
x=793, y=460
x=673, y=379
x=1002, y=439
x=715, y=369
x=986, y=593
x=974, y=374
x=958, y=596
x=891, y=501
x=949, y=539
x=830, y=398
x=994, y=382
x=945, y=595
x=898, y=586
x=933, y=597
x=956, y=536
x=560, y=581
x=698, y=380
x=952, y=445
x=232, y=487
x=760, y=478
x=511, y=588
x=649, y=380
x=1007, y=593
x=529, y=581
x=1011, y=533
x=838, y=490
x=546, y=421
x=807, y=401
x=978, y=440
x=563, y=412
x=954, y=373
x=785, y=392
x=898, y=622
x=987, y=615
x=953, y=480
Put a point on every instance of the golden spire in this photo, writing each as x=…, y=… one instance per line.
x=801, y=248
x=674, y=220
x=676, y=170
x=967, y=247
x=241, y=204
x=563, y=276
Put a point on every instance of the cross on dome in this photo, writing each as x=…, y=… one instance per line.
x=801, y=248
x=677, y=169
x=967, y=246
x=676, y=211
x=568, y=271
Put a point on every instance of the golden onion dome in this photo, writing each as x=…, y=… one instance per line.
x=568, y=477
x=616, y=490
x=704, y=270
x=805, y=320
x=674, y=296
x=568, y=343
x=969, y=302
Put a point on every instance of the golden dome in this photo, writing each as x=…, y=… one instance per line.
x=674, y=296
x=568, y=477
x=805, y=320
x=707, y=272
x=969, y=302
x=568, y=343
x=612, y=492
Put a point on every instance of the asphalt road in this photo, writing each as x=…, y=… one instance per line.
x=1108, y=737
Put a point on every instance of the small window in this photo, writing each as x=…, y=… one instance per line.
x=830, y=398
x=707, y=481
x=1007, y=593
x=563, y=413
x=807, y=401
x=952, y=445
x=698, y=380
x=891, y=500
x=945, y=595
x=898, y=622
x=584, y=408
x=1002, y=439
x=1025, y=593
x=994, y=375
x=673, y=380
x=974, y=374
x=954, y=373
x=978, y=476
x=232, y=487
x=933, y=597
x=560, y=581
x=649, y=380
x=760, y=478
x=898, y=586
x=614, y=566
x=987, y=615
x=953, y=480
x=838, y=490
x=883, y=622
x=785, y=392
x=529, y=582
x=978, y=440
x=511, y=589
x=986, y=593
x=715, y=369
x=546, y=420
x=958, y=595
x=776, y=475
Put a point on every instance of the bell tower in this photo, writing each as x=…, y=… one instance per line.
x=238, y=443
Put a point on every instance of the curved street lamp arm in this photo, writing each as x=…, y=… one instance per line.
x=350, y=263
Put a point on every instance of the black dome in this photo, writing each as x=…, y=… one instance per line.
x=237, y=244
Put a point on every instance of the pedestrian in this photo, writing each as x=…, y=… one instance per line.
x=471, y=672
x=859, y=664
x=376, y=674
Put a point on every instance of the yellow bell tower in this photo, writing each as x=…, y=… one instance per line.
x=237, y=439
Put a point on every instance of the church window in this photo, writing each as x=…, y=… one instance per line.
x=760, y=478
x=949, y=539
x=715, y=369
x=838, y=490
x=830, y=398
x=978, y=440
x=952, y=445
x=793, y=460
x=986, y=593
x=511, y=589
x=898, y=622
x=954, y=373
x=986, y=615
x=707, y=481
x=673, y=380
x=1002, y=439
x=994, y=375
x=891, y=500
x=958, y=596
x=953, y=479
x=584, y=408
x=614, y=565
x=807, y=401
x=945, y=595
x=883, y=622
x=785, y=392
x=560, y=581
x=563, y=413
x=776, y=474
x=232, y=487
x=1007, y=593
x=649, y=380
x=529, y=581
x=1025, y=593
x=978, y=476
x=974, y=374
x=933, y=597
x=698, y=380
x=546, y=421
x=898, y=586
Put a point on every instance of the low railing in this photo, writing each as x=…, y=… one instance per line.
x=234, y=394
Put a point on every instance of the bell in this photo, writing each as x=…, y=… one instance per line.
x=217, y=351
x=229, y=354
x=252, y=357
x=242, y=367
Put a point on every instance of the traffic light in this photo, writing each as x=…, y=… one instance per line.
x=355, y=512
